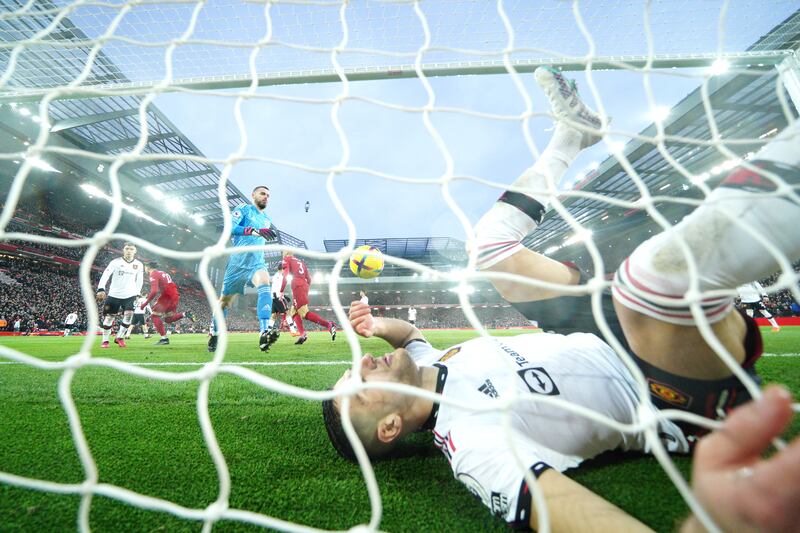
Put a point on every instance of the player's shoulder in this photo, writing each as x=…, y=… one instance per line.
x=241, y=210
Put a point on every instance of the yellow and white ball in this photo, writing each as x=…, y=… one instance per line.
x=366, y=262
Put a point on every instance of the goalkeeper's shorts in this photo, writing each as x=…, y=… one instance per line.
x=709, y=398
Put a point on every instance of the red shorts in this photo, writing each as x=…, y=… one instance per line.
x=299, y=293
x=167, y=302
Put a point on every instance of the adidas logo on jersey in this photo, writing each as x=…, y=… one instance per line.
x=488, y=389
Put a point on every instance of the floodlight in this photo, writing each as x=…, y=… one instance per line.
x=155, y=193
x=174, y=204
x=719, y=66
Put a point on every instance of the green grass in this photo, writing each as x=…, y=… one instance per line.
x=145, y=436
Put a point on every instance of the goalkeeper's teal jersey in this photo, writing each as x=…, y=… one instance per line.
x=248, y=216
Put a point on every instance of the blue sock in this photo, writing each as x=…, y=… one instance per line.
x=214, y=328
x=264, y=306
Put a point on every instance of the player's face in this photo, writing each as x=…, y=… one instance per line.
x=129, y=252
x=260, y=197
x=394, y=367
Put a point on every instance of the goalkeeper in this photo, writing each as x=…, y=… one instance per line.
x=251, y=226
x=651, y=318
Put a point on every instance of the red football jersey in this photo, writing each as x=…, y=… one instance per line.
x=160, y=282
x=296, y=267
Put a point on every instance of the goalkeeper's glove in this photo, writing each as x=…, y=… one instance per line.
x=267, y=233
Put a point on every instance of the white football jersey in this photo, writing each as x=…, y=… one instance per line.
x=751, y=292
x=277, y=281
x=137, y=306
x=579, y=368
x=126, y=278
x=71, y=318
x=412, y=314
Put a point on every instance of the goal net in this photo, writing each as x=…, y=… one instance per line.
x=407, y=105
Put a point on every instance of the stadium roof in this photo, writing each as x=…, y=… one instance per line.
x=745, y=106
x=109, y=125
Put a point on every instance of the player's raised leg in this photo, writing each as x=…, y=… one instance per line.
x=498, y=234
x=651, y=286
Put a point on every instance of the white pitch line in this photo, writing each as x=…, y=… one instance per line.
x=781, y=355
x=244, y=363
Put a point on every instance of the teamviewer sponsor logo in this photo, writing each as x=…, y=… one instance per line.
x=488, y=389
x=539, y=381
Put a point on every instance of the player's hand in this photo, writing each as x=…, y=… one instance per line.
x=742, y=491
x=361, y=319
x=268, y=233
x=100, y=296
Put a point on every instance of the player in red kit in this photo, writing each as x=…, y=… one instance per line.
x=164, y=291
x=301, y=282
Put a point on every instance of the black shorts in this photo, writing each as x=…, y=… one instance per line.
x=755, y=306
x=568, y=314
x=138, y=319
x=112, y=305
x=280, y=305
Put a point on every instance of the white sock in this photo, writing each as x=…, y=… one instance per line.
x=121, y=331
x=499, y=232
x=720, y=237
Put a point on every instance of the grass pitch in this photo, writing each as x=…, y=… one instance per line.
x=145, y=436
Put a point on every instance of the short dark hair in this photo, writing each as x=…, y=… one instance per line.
x=333, y=423
x=128, y=243
x=259, y=187
x=152, y=264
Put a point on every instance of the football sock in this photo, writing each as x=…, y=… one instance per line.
x=107, y=323
x=499, y=232
x=314, y=317
x=298, y=322
x=264, y=306
x=214, y=326
x=720, y=236
x=121, y=331
x=766, y=314
x=174, y=318
x=159, y=325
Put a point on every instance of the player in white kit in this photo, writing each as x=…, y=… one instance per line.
x=654, y=324
x=69, y=323
x=140, y=315
x=752, y=296
x=127, y=276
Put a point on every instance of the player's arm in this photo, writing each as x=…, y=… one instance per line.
x=573, y=507
x=396, y=332
x=154, y=290
x=741, y=490
x=241, y=226
x=101, y=285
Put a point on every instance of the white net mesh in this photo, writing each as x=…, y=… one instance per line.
x=94, y=69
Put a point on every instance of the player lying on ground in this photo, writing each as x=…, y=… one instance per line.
x=582, y=369
x=166, y=296
x=301, y=284
x=251, y=226
x=127, y=275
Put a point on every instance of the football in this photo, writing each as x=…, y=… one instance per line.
x=366, y=262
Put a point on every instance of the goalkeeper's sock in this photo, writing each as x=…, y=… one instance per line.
x=214, y=326
x=498, y=234
x=264, y=306
x=721, y=237
x=159, y=325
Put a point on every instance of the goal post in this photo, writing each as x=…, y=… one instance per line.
x=92, y=71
